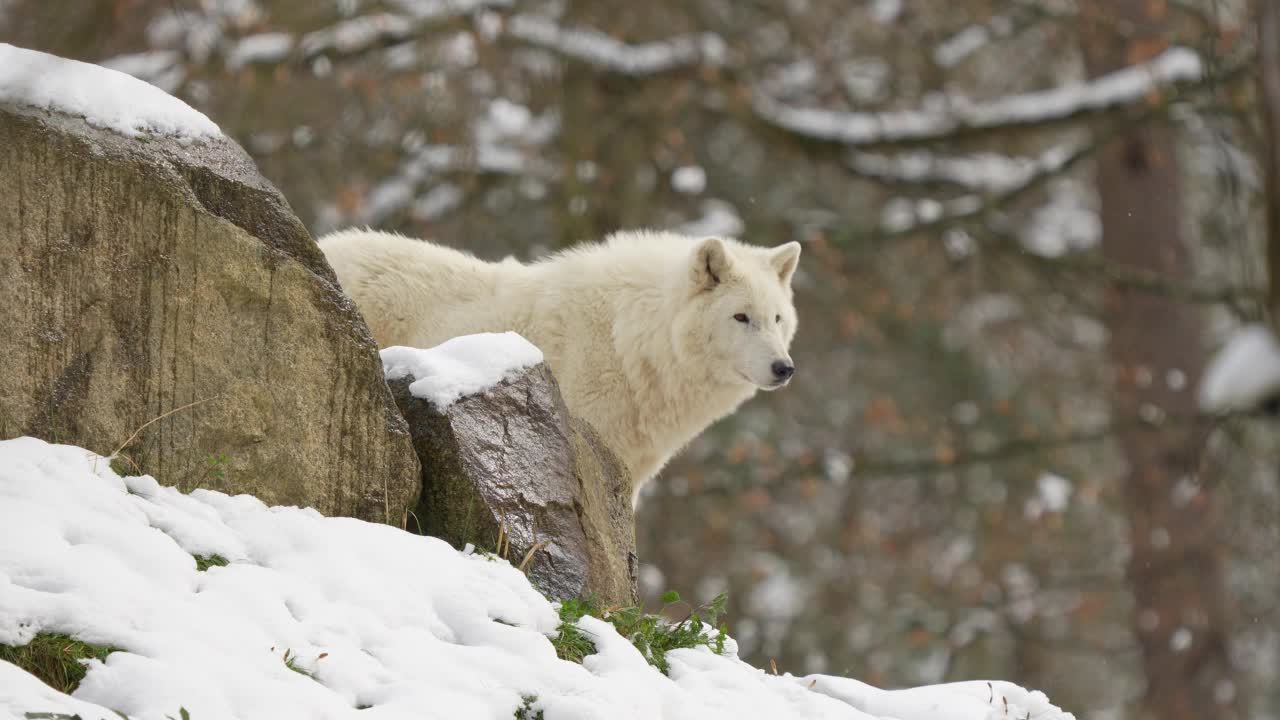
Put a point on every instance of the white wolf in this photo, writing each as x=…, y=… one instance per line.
x=652, y=336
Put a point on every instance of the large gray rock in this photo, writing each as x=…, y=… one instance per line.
x=139, y=276
x=511, y=462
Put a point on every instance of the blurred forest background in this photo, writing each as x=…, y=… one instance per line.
x=1027, y=225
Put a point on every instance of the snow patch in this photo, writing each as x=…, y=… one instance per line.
x=1053, y=494
x=1244, y=374
x=510, y=122
x=689, y=179
x=976, y=700
x=1055, y=491
x=886, y=11
x=1067, y=223
x=463, y=366
x=719, y=218
x=105, y=98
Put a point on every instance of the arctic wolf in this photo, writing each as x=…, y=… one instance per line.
x=652, y=336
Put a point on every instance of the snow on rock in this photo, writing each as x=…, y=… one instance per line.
x=375, y=621
x=1244, y=374
x=105, y=98
x=376, y=618
x=1123, y=86
x=974, y=700
x=459, y=367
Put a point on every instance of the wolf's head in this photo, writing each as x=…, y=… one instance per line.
x=739, y=316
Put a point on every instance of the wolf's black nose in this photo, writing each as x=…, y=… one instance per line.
x=783, y=370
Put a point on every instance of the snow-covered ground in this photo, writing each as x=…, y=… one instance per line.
x=105, y=98
x=379, y=623
x=462, y=366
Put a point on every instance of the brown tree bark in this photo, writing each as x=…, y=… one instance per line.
x=1269, y=95
x=1175, y=569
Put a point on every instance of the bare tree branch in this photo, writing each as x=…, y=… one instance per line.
x=978, y=172
x=1094, y=268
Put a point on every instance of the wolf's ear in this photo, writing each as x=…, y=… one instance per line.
x=710, y=263
x=784, y=261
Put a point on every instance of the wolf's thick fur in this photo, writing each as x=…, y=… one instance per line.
x=645, y=332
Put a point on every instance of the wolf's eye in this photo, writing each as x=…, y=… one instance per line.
x=742, y=317
x=777, y=318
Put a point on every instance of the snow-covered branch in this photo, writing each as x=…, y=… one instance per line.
x=978, y=172
x=610, y=54
x=358, y=35
x=1121, y=88
x=399, y=191
x=375, y=31
x=162, y=68
x=266, y=47
x=378, y=30
x=930, y=215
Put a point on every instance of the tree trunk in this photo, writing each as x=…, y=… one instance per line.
x=1269, y=94
x=1176, y=565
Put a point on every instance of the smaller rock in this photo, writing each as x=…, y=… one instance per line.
x=510, y=462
